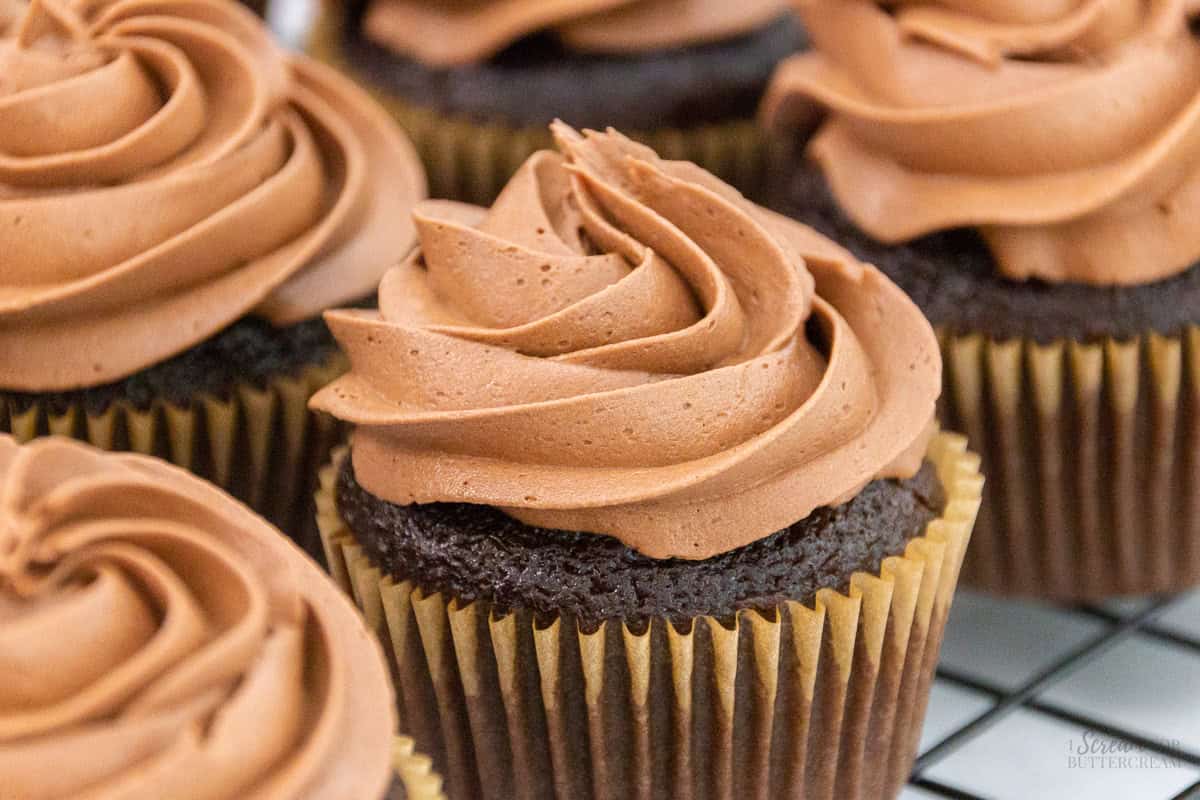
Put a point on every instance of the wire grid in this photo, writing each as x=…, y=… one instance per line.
x=1109, y=627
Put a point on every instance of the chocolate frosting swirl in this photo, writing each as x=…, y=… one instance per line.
x=166, y=168
x=1068, y=132
x=157, y=640
x=445, y=34
x=625, y=345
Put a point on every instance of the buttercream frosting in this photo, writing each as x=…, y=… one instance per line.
x=1067, y=132
x=159, y=640
x=624, y=345
x=166, y=168
x=456, y=32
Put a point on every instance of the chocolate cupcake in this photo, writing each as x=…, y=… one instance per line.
x=1029, y=176
x=179, y=201
x=643, y=493
x=159, y=640
x=476, y=84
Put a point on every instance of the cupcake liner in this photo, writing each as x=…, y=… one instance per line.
x=1092, y=452
x=415, y=771
x=471, y=161
x=261, y=444
x=807, y=702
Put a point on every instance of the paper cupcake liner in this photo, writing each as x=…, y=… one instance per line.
x=415, y=771
x=1092, y=453
x=471, y=161
x=820, y=701
x=261, y=444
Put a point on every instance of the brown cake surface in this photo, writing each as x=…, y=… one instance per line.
x=251, y=350
x=952, y=276
x=474, y=552
x=536, y=80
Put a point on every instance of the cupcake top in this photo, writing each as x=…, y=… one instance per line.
x=166, y=168
x=455, y=32
x=626, y=346
x=1067, y=132
x=160, y=640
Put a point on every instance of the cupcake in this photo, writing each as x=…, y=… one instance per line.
x=179, y=201
x=476, y=83
x=159, y=640
x=643, y=494
x=1028, y=176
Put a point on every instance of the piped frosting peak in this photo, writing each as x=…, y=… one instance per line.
x=1067, y=132
x=159, y=640
x=166, y=168
x=625, y=345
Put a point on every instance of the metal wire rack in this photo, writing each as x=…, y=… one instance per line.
x=1039, y=702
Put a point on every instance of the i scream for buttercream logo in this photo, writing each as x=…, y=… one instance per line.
x=1097, y=750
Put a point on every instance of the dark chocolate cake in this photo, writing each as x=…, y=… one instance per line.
x=474, y=552
x=951, y=275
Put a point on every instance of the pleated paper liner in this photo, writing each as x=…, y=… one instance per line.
x=1092, y=453
x=415, y=772
x=262, y=445
x=472, y=161
x=806, y=702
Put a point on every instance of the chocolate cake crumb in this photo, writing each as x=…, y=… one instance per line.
x=474, y=552
x=536, y=80
x=952, y=276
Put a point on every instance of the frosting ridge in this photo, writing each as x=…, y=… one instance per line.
x=166, y=168
x=447, y=34
x=625, y=345
x=160, y=640
x=1067, y=132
